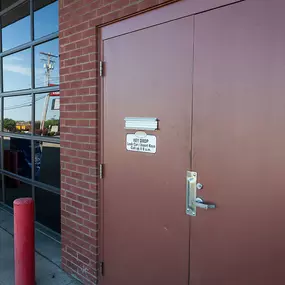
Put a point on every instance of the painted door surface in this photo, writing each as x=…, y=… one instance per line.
x=238, y=145
x=146, y=231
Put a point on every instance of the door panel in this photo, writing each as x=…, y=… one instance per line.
x=168, y=13
x=238, y=145
x=146, y=231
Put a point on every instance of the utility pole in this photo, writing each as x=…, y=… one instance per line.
x=49, y=61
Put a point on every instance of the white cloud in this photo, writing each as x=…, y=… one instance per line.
x=17, y=69
x=15, y=58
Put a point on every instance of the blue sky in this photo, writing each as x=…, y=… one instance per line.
x=17, y=67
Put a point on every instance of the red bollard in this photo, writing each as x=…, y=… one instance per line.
x=24, y=241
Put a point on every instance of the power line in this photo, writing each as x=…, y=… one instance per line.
x=26, y=104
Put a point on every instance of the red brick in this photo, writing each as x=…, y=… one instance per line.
x=83, y=123
x=82, y=43
x=82, y=59
x=82, y=169
x=83, y=200
x=104, y=10
x=89, y=66
x=69, y=47
x=83, y=107
x=71, y=181
x=128, y=10
x=65, y=200
x=71, y=209
x=71, y=251
x=90, y=210
x=77, y=205
x=75, y=69
x=83, y=184
x=83, y=214
x=119, y=4
x=88, y=33
x=90, y=225
x=83, y=154
x=70, y=166
x=76, y=175
x=70, y=62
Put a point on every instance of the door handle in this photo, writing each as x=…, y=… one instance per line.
x=192, y=201
x=200, y=204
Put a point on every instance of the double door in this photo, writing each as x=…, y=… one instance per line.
x=199, y=94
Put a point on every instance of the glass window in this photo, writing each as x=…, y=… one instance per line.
x=16, y=27
x=47, y=163
x=18, y=114
x=47, y=121
x=1, y=189
x=24, y=126
x=1, y=127
x=48, y=209
x=17, y=71
x=45, y=17
x=17, y=156
x=47, y=64
x=15, y=189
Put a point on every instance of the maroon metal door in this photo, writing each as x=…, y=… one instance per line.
x=238, y=145
x=146, y=232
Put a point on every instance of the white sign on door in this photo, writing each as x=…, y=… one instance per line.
x=140, y=143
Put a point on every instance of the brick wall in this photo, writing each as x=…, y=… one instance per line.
x=79, y=120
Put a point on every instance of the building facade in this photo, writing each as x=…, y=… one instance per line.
x=111, y=108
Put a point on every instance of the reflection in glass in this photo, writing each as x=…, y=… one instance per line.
x=47, y=64
x=16, y=27
x=47, y=163
x=47, y=114
x=1, y=190
x=17, y=71
x=1, y=127
x=15, y=189
x=17, y=156
x=48, y=209
x=45, y=17
x=18, y=114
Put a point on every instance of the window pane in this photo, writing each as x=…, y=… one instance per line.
x=15, y=189
x=47, y=114
x=1, y=189
x=17, y=71
x=47, y=64
x=48, y=209
x=1, y=127
x=18, y=156
x=45, y=17
x=47, y=163
x=16, y=27
x=18, y=114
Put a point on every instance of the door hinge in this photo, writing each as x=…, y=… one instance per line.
x=101, y=171
x=102, y=268
x=101, y=68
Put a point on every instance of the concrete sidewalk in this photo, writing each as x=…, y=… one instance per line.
x=47, y=272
